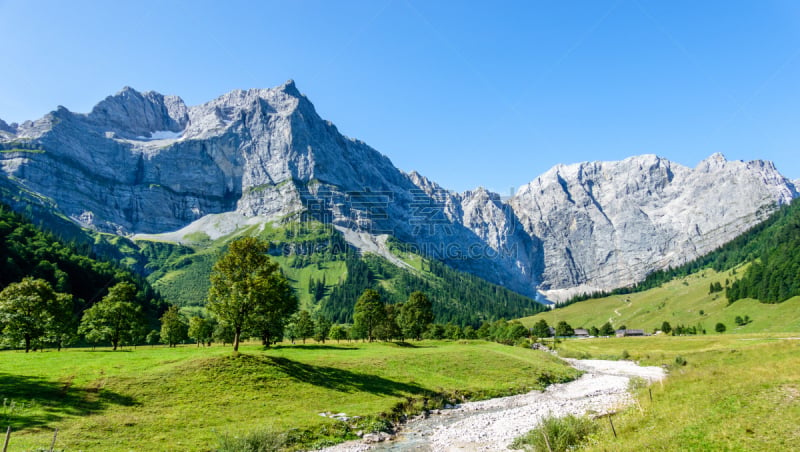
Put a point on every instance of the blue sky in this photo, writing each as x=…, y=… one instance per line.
x=467, y=93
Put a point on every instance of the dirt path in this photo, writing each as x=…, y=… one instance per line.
x=491, y=425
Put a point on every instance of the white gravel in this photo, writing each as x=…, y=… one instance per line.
x=491, y=425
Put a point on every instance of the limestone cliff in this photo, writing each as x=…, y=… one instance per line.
x=147, y=163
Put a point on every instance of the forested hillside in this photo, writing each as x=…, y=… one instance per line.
x=774, y=275
x=457, y=297
x=329, y=275
x=26, y=250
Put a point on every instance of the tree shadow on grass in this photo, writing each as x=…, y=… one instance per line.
x=30, y=401
x=340, y=379
x=407, y=345
x=310, y=347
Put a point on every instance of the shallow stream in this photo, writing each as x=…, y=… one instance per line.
x=491, y=425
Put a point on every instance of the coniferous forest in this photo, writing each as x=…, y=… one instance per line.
x=70, y=268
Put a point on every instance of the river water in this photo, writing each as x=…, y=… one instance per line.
x=491, y=425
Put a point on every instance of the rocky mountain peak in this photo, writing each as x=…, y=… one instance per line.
x=630, y=217
x=423, y=183
x=715, y=161
x=289, y=88
x=131, y=114
x=8, y=128
x=482, y=194
x=146, y=163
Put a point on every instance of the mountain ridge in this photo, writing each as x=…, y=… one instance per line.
x=146, y=163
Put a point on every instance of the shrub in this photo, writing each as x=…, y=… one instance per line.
x=624, y=355
x=257, y=441
x=680, y=360
x=562, y=433
x=523, y=342
x=373, y=424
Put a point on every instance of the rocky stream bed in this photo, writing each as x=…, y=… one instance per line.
x=491, y=425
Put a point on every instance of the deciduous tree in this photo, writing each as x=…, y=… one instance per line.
x=30, y=310
x=368, y=313
x=244, y=283
x=174, y=327
x=269, y=319
x=607, y=329
x=304, y=325
x=322, y=329
x=514, y=332
x=201, y=330
x=387, y=329
x=541, y=328
x=338, y=332
x=564, y=329
x=415, y=315
x=114, y=317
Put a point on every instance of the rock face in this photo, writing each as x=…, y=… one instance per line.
x=147, y=163
x=8, y=129
x=609, y=224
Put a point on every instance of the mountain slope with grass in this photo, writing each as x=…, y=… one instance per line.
x=763, y=262
x=328, y=274
x=724, y=392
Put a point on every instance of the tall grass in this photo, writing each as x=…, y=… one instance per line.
x=745, y=396
x=556, y=434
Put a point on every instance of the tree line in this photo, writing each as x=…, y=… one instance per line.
x=49, y=285
x=249, y=297
x=456, y=297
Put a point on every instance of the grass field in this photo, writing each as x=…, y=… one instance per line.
x=735, y=392
x=187, y=397
x=684, y=301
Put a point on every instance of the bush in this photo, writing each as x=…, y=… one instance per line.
x=257, y=441
x=373, y=424
x=523, y=342
x=680, y=360
x=563, y=434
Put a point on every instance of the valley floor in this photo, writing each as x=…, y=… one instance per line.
x=194, y=399
x=724, y=392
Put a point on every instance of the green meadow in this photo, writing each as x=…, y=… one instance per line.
x=682, y=301
x=188, y=398
x=735, y=391
x=723, y=392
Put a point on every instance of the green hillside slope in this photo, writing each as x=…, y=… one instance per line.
x=683, y=301
x=762, y=264
x=329, y=275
